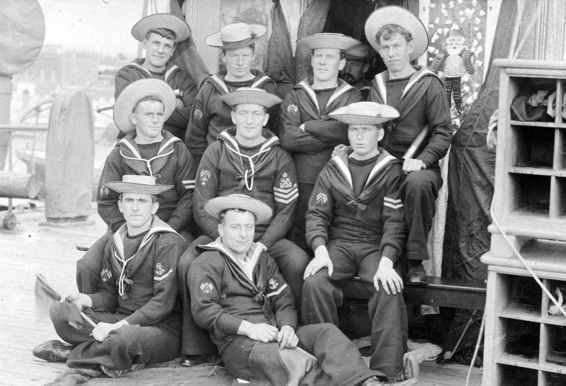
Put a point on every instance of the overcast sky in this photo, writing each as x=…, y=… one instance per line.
x=94, y=25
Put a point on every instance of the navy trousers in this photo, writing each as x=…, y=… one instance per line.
x=322, y=297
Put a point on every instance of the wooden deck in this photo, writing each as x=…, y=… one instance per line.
x=34, y=248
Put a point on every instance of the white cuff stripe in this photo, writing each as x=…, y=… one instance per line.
x=398, y=206
x=392, y=200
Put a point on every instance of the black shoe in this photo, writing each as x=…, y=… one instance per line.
x=416, y=272
x=52, y=351
x=197, y=360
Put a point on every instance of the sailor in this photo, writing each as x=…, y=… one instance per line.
x=355, y=228
x=159, y=33
x=210, y=116
x=247, y=158
x=307, y=131
x=244, y=302
x=135, y=311
x=147, y=149
x=419, y=96
x=357, y=65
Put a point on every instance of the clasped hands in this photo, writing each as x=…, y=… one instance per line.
x=266, y=333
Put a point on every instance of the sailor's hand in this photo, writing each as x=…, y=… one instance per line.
x=287, y=337
x=413, y=164
x=340, y=150
x=262, y=332
x=387, y=278
x=321, y=259
x=102, y=329
x=79, y=300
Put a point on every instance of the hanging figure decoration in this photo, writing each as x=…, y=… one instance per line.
x=453, y=62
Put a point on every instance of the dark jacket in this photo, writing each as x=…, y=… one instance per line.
x=211, y=116
x=183, y=85
x=143, y=286
x=311, y=148
x=222, y=296
x=375, y=216
x=423, y=103
x=268, y=175
x=172, y=165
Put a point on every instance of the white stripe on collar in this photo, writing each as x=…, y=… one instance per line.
x=338, y=92
x=341, y=89
x=220, y=82
x=217, y=245
x=267, y=144
x=344, y=169
x=131, y=147
x=415, y=79
x=381, y=89
x=264, y=146
x=163, y=146
x=139, y=66
x=170, y=71
x=224, y=134
x=167, y=143
x=260, y=81
x=379, y=165
x=310, y=93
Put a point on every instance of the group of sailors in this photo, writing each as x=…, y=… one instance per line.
x=235, y=214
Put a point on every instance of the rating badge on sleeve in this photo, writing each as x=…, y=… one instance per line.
x=321, y=198
x=206, y=287
x=204, y=176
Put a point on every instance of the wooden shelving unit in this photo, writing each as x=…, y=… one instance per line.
x=524, y=345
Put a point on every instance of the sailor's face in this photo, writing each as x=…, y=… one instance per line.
x=249, y=120
x=364, y=138
x=354, y=70
x=148, y=118
x=396, y=52
x=237, y=231
x=326, y=63
x=137, y=209
x=158, y=50
x=238, y=61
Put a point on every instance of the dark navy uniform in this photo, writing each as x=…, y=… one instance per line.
x=224, y=296
x=171, y=163
x=141, y=289
x=359, y=219
x=421, y=101
x=211, y=116
x=311, y=145
x=265, y=172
